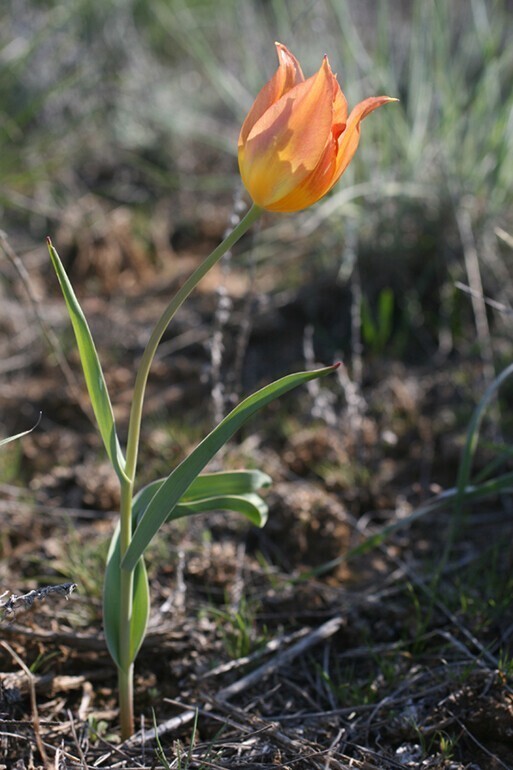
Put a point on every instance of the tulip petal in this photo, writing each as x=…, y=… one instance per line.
x=313, y=187
x=288, y=75
x=286, y=144
x=321, y=179
x=349, y=139
x=339, y=108
x=297, y=139
x=334, y=162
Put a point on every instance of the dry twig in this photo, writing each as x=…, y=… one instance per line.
x=33, y=703
x=26, y=601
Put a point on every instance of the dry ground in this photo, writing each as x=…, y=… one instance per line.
x=266, y=649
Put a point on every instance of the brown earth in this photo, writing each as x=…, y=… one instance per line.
x=297, y=650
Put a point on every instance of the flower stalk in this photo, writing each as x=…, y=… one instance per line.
x=125, y=669
x=134, y=428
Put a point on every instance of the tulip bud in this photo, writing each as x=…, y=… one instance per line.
x=297, y=139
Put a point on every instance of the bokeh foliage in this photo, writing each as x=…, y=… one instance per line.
x=141, y=101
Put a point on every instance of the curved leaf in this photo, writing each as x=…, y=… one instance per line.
x=240, y=482
x=246, y=502
x=112, y=599
x=251, y=506
x=95, y=381
x=226, y=483
x=173, y=488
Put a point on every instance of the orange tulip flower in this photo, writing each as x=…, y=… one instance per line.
x=297, y=139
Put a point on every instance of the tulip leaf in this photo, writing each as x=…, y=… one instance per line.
x=112, y=602
x=169, y=493
x=93, y=373
x=207, y=485
x=20, y=435
x=226, y=483
x=251, y=506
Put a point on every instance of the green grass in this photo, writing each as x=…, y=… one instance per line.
x=238, y=628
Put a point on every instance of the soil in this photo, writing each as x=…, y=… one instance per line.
x=287, y=647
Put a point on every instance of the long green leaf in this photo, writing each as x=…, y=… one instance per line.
x=112, y=600
x=239, y=482
x=169, y=493
x=93, y=373
x=465, y=468
x=206, y=485
x=251, y=506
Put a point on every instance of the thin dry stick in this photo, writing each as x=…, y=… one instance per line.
x=35, y=715
x=499, y=306
x=322, y=398
x=25, y=601
x=169, y=726
x=79, y=641
x=325, y=631
x=221, y=317
x=51, y=683
x=352, y=386
x=77, y=742
x=471, y=257
x=494, y=757
x=272, y=646
x=307, y=749
x=504, y=236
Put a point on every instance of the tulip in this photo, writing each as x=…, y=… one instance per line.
x=297, y=139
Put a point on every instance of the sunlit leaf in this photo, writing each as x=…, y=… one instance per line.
x=174, y=487
x=93, y=373
x=251, y=506
x=226, y=483
x=207, y=485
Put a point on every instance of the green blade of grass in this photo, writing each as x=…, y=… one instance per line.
x=20, y=435
x=471, y=494
x=474, y=427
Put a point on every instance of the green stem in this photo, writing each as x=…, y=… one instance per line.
x=134, y=426
x=125, y=670
x=126, y=701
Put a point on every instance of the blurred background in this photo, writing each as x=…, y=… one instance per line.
x=120, y=119
x=118, y=135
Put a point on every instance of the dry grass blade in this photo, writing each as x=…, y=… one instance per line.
x=33, y=701
x=465, y=227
